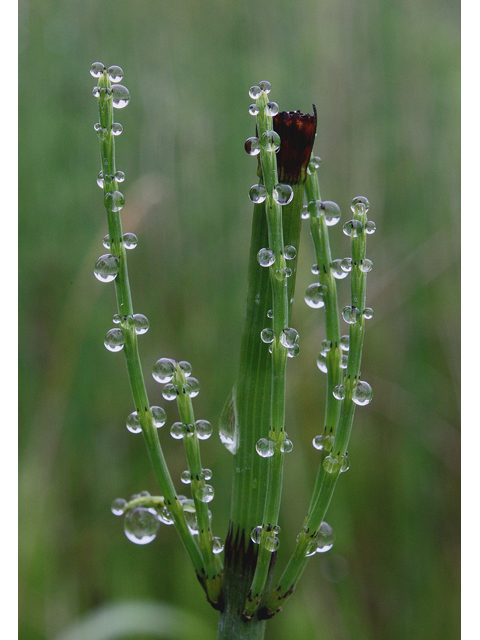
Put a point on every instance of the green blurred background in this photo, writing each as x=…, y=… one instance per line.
x=384, y=76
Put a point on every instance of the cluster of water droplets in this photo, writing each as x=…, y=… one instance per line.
x=322, y=541
x=164, y=372
x=159, y=417
x=354, y=228
x=115, y=339
x=266, y=447
x=270, y=536
x=118, y=93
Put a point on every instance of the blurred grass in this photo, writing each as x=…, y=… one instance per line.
x=385, y=79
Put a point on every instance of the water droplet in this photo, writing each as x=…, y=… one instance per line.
x=116, y=318
x=347, y=264
x=106, y=241
x=141, y=323
x=102, y=133
x=170, y=391
x=267, y=335
x=360, y=205
x=272, y=543
x=337, y=270
x=322, y=363
x=286, y=446
x=114, y=200
x=345, y=343
x=117, y=128
x=185, y=477
x=253, y=109
x=343, y=362
x=118, y=506
x=108, y=178
x=314, y=164
x=311, y=548
x=164, y=370
x=345, y=464
x=114, y=340
x=270, y=141
x=365, y=265
x=165, y=516
x=326, y=346
x=370, y=227
x=203, y=429
x=293, y=351
x=368, y=313
x=217, y=545
x=315, y=269
x=252, y=146
x=192, y=387
x=96, y=69
x=265, y=448
x=133, y=423
x=315, y=208
x=141, y=525
x=205, y=493
x=257, y=193
x=351, y=314
x=314, y=295
x=288, y=337
x=120, y=96
x=256, y=534
x=270, y=313
x=325, y=538
x=290, y=252
x=119, y=176
x=331, y=464
x=178, y=430
x=100, y=179
x=115, y=73
x=318, y=442
x=305, y=212
x=186, y=367
x=353, y=228
x=227, y=425
x=271, y=109
x=159, y=416
x=332, y=213
x=362, y=393
x=207, y=474
x=265, y=257
x=254, y=92
x=339, y=392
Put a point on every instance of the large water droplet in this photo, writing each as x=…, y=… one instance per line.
x=141, y=525
x=282, y=194
x=165, y=516
x=265, y=448
x=339, y=392
x=227, y=425
x=107, y=268
x=120, y=96
x=164, y=370
x=186, y=367
x=288, y=337
x=314, y=295
x=159, y=416
x=117, y=128
x=254, y=92
x=265, y=257
x=290, y=252
x=256, y=534
x=322, y=363
x=141, y=323
x=217, y=545
x=270, y=141
x=118, y=506
x=253, y=109
x=133, y=423
x=331, y=464
x=114, y=200
x=353, y=228
x=293, y=351
x=351, y=314
x=170, y=391
x=368, y=313
x=114, y=340
x=178, y=430
x=345, y=464
x=265, y=86
x=267, y=335
x=318, y=442
x=325, y=538
x=205, y=493
x=370, y=227
x=360, y=205
x=286, y=446
x=345, y=343
x=203, y=429
x=362, y=393
x=252, y=146
x=185, y=477
x=365, y=265
x=271, y=109
x=314, y=164
x=332, y=213
x=115, y=73
x=337, y=270
x=96, y=69
x=257, y=193
x=192, y=387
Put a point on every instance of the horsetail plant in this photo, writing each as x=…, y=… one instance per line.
x=241, y=584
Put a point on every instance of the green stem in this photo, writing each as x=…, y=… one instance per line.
x=132, y=357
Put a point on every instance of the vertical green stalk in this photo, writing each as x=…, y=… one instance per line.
x=114, y=201
x=256, y=384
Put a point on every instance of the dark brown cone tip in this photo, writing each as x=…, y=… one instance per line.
x=297, y=134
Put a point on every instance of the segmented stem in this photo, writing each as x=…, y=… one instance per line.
x=125, y=309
